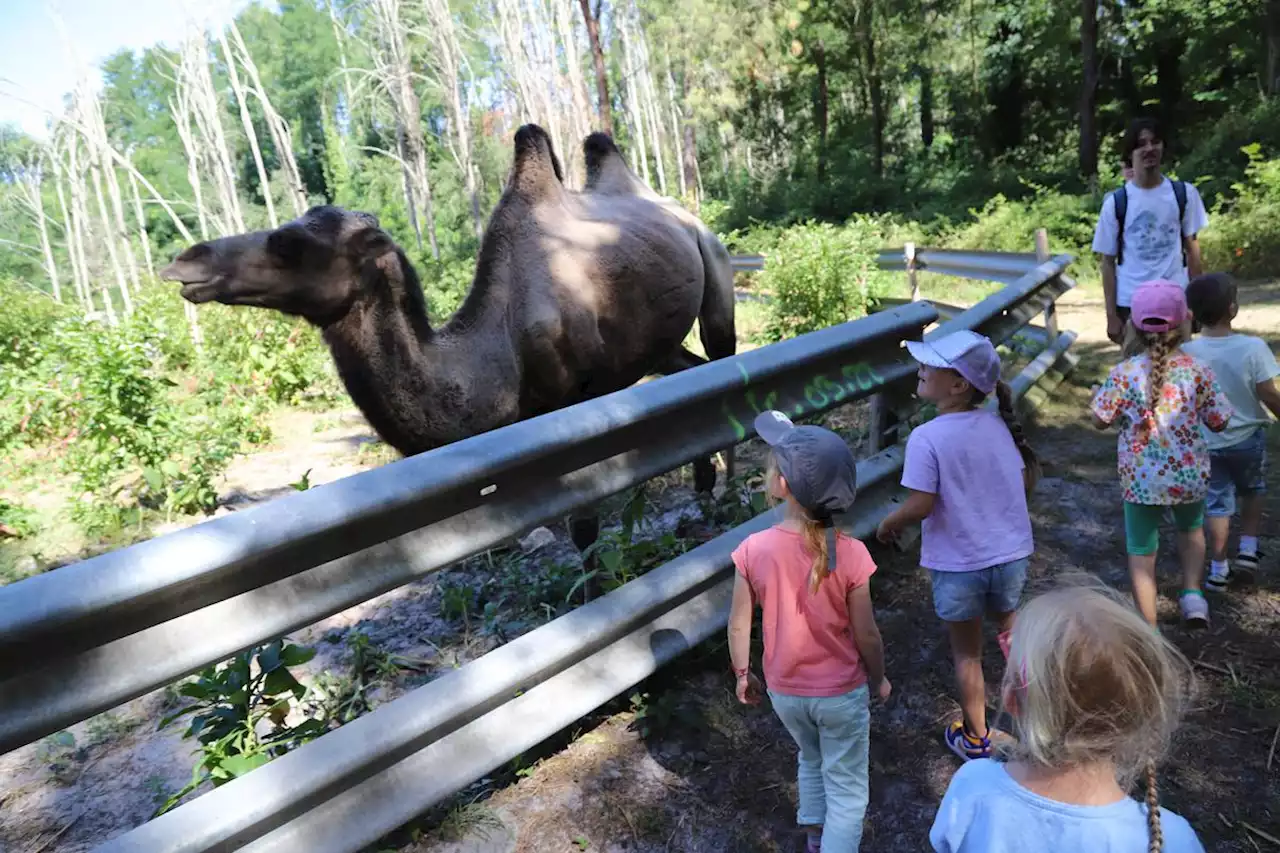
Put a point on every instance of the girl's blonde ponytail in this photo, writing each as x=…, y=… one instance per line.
x=1160, y=348
x=815, y=542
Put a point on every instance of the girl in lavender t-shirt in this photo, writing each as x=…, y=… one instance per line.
x=968, y=471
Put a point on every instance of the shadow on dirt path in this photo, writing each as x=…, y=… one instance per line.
x=680, y=766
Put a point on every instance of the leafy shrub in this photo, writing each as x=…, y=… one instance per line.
x=16, y=520
x=240, y=709
x=1244, y=236
x=820, y=275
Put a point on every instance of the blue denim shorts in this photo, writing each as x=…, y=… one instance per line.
x=1240, y=469
x=961, y=596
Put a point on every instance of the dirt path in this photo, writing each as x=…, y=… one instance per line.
x=685, y=768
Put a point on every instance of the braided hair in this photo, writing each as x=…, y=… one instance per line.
x=1160, y=347
x=1155, y=833
x=1004, y=401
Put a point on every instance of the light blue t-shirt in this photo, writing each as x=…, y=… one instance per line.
x=986, y=811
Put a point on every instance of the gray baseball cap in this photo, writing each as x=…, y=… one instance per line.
x=820, y=470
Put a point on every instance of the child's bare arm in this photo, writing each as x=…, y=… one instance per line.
x=866, y=633
x=1269, y=395
x=740, y=624
x=917, y=507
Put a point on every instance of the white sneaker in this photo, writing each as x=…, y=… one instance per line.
x=1195, y=610
x=1218, y=581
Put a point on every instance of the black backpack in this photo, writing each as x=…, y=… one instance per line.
x=1121, y=199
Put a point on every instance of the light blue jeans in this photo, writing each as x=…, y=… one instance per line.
x=834, y=736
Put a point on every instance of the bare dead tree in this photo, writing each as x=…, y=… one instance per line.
x=250, y=133
x=30, y=185
x=281, y=135
x=143, y=236
x=394, y=75
x=449, y=65
x=79, y=277
x=195, y=85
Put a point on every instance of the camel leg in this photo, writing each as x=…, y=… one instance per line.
x=584, y=530
x=716, y=318
x=704, y=472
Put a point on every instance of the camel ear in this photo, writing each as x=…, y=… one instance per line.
x=370, y=243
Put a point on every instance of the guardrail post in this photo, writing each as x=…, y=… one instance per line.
x=1050, y=311
x=909, y=252
x=885, y=429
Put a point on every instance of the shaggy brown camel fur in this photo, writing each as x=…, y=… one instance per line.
x=575, y=295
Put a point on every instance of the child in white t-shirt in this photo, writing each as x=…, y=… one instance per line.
x=1245, y=369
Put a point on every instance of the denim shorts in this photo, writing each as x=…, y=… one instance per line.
x=961, y=596
x=1240, y=469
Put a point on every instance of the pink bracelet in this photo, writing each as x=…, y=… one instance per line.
x=742, y=673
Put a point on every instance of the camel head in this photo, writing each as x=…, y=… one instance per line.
x=535, y=169
x=314, y=267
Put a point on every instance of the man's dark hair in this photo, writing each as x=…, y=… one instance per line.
x=1131, y=136
x=1210, y=297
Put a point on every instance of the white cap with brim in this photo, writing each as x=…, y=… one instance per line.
x=966, y=352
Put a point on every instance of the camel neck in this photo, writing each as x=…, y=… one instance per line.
x=419, y=389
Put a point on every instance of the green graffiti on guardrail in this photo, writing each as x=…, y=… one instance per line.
x=819, y=392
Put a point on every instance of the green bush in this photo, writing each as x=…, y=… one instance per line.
x=820, y=275
x=1244, y=236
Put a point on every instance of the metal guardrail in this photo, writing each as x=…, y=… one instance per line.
x=1006, y=267
x=355, y=784
x=747, y=263
x=100, y=632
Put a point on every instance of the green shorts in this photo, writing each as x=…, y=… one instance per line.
x=1142, y=523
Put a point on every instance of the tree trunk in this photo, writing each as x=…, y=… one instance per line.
x=1169, y=52
x=121, y=283
x=1089, y=91
x=875, y=94
x=689, y=150
x=281, y=136
x=633, y=101
x=68, y=234
x=597, y=58
x=1271, y=85
x=143, y=236
x=35, y=189
x=79, y=222
x=449, y=62
x=676, y=125
x=250, y=133
x=820, y=60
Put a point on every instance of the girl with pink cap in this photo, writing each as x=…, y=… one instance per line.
x=1159, y=396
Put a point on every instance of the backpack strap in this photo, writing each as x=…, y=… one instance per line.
x=1180, y=193
x=1121, y=200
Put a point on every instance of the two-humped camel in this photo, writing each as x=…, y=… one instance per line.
x=575, y=295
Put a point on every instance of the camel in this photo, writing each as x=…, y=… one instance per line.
x=575, y=295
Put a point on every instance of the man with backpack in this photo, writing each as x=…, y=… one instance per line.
x=1147, y=229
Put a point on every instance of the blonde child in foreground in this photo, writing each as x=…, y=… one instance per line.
x=1095, y=695
x=822, y=649
x=1160, y=397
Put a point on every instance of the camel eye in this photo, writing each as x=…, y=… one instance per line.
x=291, y=246
x=195, y=253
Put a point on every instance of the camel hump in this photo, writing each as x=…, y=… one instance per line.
x=607, y=171
x=535, y=171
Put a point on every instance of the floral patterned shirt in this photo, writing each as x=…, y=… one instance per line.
x=1166, y=463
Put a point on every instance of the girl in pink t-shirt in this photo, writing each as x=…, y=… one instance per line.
x=822, y=648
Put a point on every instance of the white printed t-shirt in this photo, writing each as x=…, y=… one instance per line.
x=1239, y=362
x=1152, y=238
